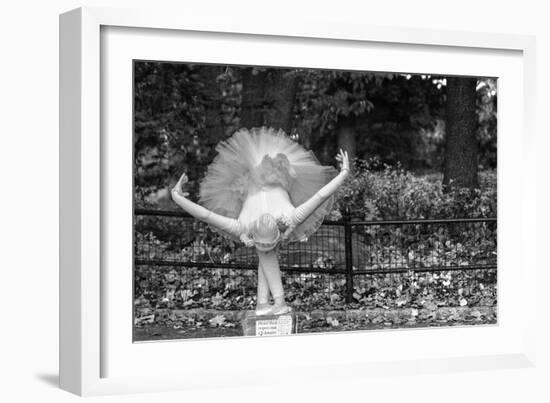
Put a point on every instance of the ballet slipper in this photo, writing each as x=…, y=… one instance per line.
x=263, y=309
x=280, y=309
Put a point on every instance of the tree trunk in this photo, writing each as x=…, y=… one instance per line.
x=268, y=99
x=279, y=99
x=346, y=135
x=252, y=104
x=212, y=99
x=460, y=168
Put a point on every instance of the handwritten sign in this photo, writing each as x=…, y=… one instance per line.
x=274, y=327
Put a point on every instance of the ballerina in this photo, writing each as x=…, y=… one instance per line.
x=263, y=189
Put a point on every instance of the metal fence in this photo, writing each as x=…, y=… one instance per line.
x=342, y=256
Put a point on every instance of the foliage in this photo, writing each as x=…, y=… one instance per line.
x=390, y=111
x=398, y=118
x=377, y=191
x=166, y=122
x=170, y=127
x=487, y=117
x=326, y=95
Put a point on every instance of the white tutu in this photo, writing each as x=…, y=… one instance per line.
x=263, y=171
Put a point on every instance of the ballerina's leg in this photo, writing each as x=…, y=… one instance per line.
x=270, y=264
x=263, y=287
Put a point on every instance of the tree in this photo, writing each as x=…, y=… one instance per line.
x=182, y=111
x=346, y=135
x=252, y=104
x=212, y=101
x=487, y=118
x=280, y=96
x=167, y=123
x=180, y=115
x=461, y=148
x=369, y=114
x=331, y=108
x=268, y=97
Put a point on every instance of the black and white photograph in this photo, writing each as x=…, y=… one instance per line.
x=272, y=201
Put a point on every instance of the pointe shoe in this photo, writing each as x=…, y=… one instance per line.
x=279, y=309
x=263, y=309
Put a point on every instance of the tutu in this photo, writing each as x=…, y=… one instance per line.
x=261, y=171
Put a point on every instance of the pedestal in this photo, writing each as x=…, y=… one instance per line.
x=269, y=325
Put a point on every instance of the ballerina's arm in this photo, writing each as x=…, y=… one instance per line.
x=303, y=211
x=226, y=224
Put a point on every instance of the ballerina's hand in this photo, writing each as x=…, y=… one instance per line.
x=179, y=186
x=343, y=159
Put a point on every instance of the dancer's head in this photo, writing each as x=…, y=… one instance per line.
x=265, y=232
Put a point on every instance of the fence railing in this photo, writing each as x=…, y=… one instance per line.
x=346, y=248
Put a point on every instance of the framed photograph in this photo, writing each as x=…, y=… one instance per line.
x=239, y=199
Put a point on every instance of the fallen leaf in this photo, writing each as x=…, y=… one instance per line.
x=430, y=305
x=217, y=320
x=333, y=321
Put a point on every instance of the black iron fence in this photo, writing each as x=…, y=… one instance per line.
x=340, y=259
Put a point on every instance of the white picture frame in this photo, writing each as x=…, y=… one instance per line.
x=88, y=316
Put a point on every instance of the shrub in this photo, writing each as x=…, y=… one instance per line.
x=376, y=191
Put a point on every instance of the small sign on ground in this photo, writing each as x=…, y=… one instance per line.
x=269, y=325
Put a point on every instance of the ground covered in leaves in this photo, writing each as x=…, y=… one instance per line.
x=398, y=300
x=200, y=323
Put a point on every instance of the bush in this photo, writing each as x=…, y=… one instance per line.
x=381, y=192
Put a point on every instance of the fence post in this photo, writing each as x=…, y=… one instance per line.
x=348, y=254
